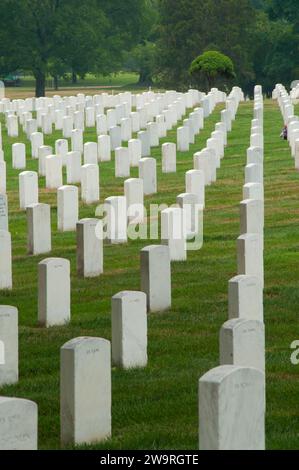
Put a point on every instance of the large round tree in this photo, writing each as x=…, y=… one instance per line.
x=211, y=66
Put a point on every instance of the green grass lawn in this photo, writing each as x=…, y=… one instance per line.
x=119, y=79
x=156, y=408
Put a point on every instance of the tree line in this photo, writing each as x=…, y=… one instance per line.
x=159, y=39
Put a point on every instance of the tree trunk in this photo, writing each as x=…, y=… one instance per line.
x=145, y=79
x=74, y=78
x=40, y=84
x=210, y=81
x=55, y=82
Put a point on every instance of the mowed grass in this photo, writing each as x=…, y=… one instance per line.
x=157, y=407
x=89, y=85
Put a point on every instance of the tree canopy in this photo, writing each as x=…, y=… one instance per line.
x=156, y=38
x=55, y=36
x=212, y=65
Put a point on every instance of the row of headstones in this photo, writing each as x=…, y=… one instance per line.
x=92, y=422
x=51, y=167
x=176, y=227
x=184, y=222
x=149, y=137
x=117, y=120
x=39, y=218
x=232, y=396
x=290, y=120
x=38, y=215
x=125, y=157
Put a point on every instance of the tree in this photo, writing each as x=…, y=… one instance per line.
x=191, y=27
x=276, y=44
x=142, y=58
x=78, y=36
x=210, y=66
x=39, y=33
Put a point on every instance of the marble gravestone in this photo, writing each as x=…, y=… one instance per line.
x=129, y=329
x=245, y=298
x=156, y=277
x=89, y=247
x=3, y=212
x=85, y=391
x=9, y=357
x=38, y=228
x=67, y=208
x=54, y=292
x=242, y=343
x=116, y=220
x=173, y=233
x=232, y=409
x=19, y=423
x=28, y=188
x=5, y=260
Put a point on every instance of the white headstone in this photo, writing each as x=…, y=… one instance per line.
x=122, y=162
x=156, y=277
x=28, y=188
x=148, y=172
x=242, y=343
x=2, y=177
x=3, y=212
x=115, y=136
x=195, y=184
x=85, y=391
x=9, y=360
x=135, y=150
x=91, y=153
x=104, y=148
x=61, y=149
x=129, y=329
x=253, y=191
x=251, y=256
x=101, y=122
x=201, y=161
x=144, y=137
x=67, y=126
x=43, y=152
x=73, y=167
x=89, y=247
x=255, y=156
x=37, y=140
x=252, y=216
x=173, y=233
x=133, y=189
x=54, y=292
x=192, y=213
x=38, y=228
x=90, y=183
x=232, y=409
x=116, y=219
x=245, y=298
x=67, y=208
x=152, y=129
x=126, y=129
x=53, y=172
x=77, y=140
x=19, y=156
x=168, y=158
x=5, y=260
x=254, y=174
x=183, y=139
x=18, y=430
